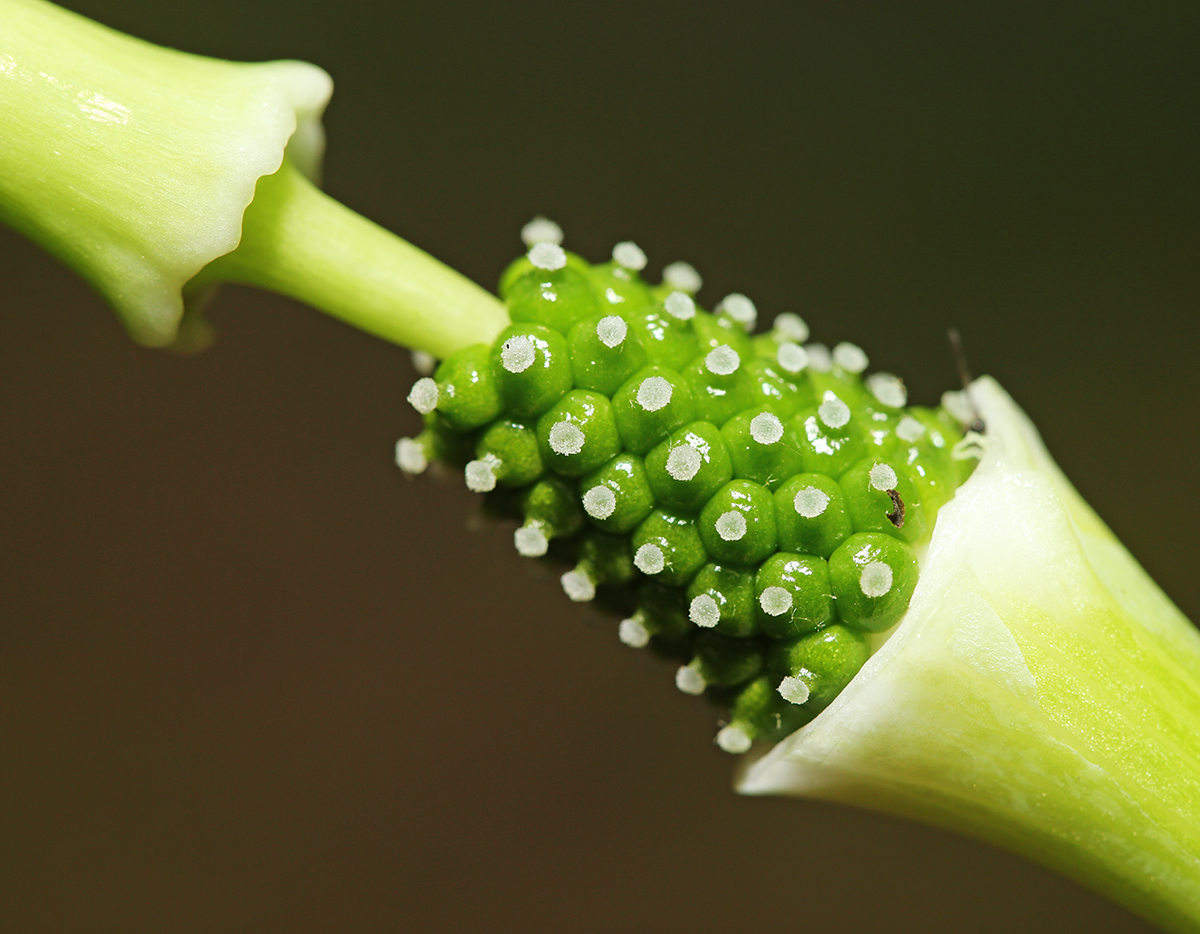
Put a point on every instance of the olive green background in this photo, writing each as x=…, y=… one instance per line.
x=251, y=679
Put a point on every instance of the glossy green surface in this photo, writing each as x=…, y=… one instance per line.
x=825, y=661
x=514, y=445
x=685, y=470
x=763, y=447
x=677, y=540
x=578, y=433
x=631, y=500
x=811, y=516
x=730, y=592
x=873, y=577
x=532, y=368
x=793, y=595
x=552, y=298
x=650, y=405
x=738, y=524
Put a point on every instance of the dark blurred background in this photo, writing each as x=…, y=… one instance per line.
x=253, y=680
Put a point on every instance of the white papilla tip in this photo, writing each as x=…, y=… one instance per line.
x=733, y=740
x=424, y=363
x=791, y=357
x=723, y=360
x=611, y=330
x=793, y=689
x=690, y=681
x=704, y=611
x=682, y=276
x=909, y=429
x=775, y=601
x=819, y=357
x=888, y=389
x=850, y=357
x=530, y=542
x=684, y=462
x=766, y=428
x=566, y=438
x=731, y=526
x=810, y=502
x=833, y=411
x=876, y=579
x=424, y=395
x=883, y=478
x=541, y=230
x=517, y=354
x=680, y=305
x=633, y=633
x=740, y=309
x=481, y=475
x=790, y=326
x=578, y=586
x=410, y=456
x=958, y=404
x=649, y=559
x=548, y=256
x=600, y=502
x=654, y=393
x=630, y=255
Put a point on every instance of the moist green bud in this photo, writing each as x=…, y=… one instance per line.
x=466, y=388
x=578, y=434
x=738, y=524
x=793, y=595
x=880, y=496
x=759, y=713
x=551, y=511
x=620, y=290
x=723, y=662
x=617, y=496
x=668, y=341
x=714, y=330
x=721, y=598
x=813, y=669
x=521, y=265
x=762, y=446
x=783, y=393
x=552, y=298
x=650, y=405
x=721, y=386
x=532, y=368
x=687, y=469
x=441, y=442
x=873, y=577
x=667, y=547
x=811, y=516
x=831, y=440
x=661, y=612
x=605, y=558
x=510, y=449
x=605, y=352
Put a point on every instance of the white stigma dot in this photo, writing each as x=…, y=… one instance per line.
x=876, y=579
x=424, y=363
x=633, y=633
x=704, y=611
x=548, y=256
x=959, y=405
x=731, y=526
x=792, y=357
x=680, y=305
x=650, y=559
x=424, y=395
x=791, y=326
x=834, y=412
x=682, y=276
x=611, y=330
x=740, y=309
x=775, y=601
x=766, y=428
x=566, y=438
x=517, y=354
x=684, y=462
x=850, y=357
x=819, y=357
x=530, y=542
x=690, y=681
x=793, y=690
x=578, y=586
x=909, y=429
x=810, y=502
x=410, y=456
x=481, y=475
x=541, y=230
x=654, y=393
x=723, y=360
x=883, y=478
x=629, y=255
x=733, y=740
x=888, y=389
x=600, y=502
